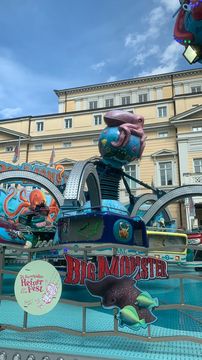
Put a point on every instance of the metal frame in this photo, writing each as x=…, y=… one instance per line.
x=83, y=172
x=175, y=194
x=152, y=198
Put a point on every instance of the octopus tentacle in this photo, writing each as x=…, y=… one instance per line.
x=54, y=210
x=124, y=134
x=126, y=130
x=23, y=198
x=20, y=207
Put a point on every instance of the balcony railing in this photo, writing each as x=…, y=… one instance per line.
x=192, y=178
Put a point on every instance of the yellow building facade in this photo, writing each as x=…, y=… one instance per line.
x=171, y=105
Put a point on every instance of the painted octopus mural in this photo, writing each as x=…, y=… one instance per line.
x=30, y=202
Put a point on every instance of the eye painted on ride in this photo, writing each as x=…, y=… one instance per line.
x=187, y=7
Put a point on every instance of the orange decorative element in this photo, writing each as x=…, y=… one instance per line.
x=123, y=230
x=36, y=197
x=62, y=169
x=24, y=204
x=54, y=210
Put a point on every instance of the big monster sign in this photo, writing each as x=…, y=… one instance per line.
x=115, y=285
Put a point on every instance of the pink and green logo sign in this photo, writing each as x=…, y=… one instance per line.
x=38, y=287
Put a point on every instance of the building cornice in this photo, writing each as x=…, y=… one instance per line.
x=127, y=82
x=14, y=133
x=88, y=111
x=153, y=127
x=69, y=136
x=164, y=152
x=186, y=116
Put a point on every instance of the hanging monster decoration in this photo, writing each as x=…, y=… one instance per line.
x=188, y=29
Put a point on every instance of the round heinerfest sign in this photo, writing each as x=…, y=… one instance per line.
x=38, y=287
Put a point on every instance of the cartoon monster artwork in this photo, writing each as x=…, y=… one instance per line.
x=135, y=307
x=188, y=29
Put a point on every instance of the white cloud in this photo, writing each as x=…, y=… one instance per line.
x=154, y=21
x=10, y=112
x=99, y=66
x=112, y=78
x=132, y=40
x=144, y=53
x=168, y=60
x=170, y=5
x=147, y=44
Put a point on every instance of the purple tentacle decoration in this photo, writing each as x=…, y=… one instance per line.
x=128, y=124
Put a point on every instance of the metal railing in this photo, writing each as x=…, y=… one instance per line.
x=192, y=178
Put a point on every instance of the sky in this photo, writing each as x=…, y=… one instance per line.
x=59, y=44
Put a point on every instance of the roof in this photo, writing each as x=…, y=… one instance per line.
x=132, y=81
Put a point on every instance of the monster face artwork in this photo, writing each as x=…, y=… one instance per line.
x=135, y=307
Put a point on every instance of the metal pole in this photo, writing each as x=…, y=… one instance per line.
x=181, y=292
x=25, y=319
x=2, y=261
x=149, y=331
x=116, y=327
x=83, y=320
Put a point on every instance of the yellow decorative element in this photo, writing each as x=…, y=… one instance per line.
x=104, y=141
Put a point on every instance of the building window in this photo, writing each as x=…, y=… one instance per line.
x=125, y=100
x=198, y=165
x=68, y=123
x=38, y=147
x=195, y=89
x=197, y=128
x=97, y=119
x=40, y=126
x=93, y=105
x=9, y=148
x=131, y=170
x=163, y=134
x=95, y=141
x=67, y=144
x=162, y=111
x=166, y=174
x=143, y=98
x=109, y=102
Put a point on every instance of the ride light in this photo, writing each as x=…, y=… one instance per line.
x=3, y=356
x=46, y=358
x=192, y=53
x=177, y=258
x=31, y=357
x=157, y=256
x=17, y=357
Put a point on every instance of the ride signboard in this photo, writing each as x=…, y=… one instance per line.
x=38, y=287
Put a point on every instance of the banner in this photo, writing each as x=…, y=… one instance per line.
x=16, y=156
